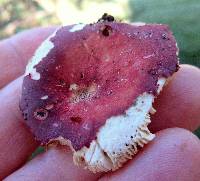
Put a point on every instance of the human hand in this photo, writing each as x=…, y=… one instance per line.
x=173, y=155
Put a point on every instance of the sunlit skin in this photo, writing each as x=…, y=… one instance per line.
x=173, y=155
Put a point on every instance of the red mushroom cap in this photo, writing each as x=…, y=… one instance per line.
x=94, y=72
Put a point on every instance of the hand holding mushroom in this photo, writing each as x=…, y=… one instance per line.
x=104, y=75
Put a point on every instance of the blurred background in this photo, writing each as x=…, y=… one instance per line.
x=183, y=16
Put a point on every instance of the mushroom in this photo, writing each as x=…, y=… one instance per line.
x=91, y=87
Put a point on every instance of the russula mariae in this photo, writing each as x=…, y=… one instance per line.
x=92, y=86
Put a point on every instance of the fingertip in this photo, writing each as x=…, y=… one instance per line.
x=16, y=141
x=55, y=164
x=178, y=104
x=190, y=68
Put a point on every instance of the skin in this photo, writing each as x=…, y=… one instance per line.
x=173, y=155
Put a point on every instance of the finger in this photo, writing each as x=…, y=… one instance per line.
x=56, y=164
x=173, y=155
x=17, y=50
x=16, y=142
x=179, y=103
